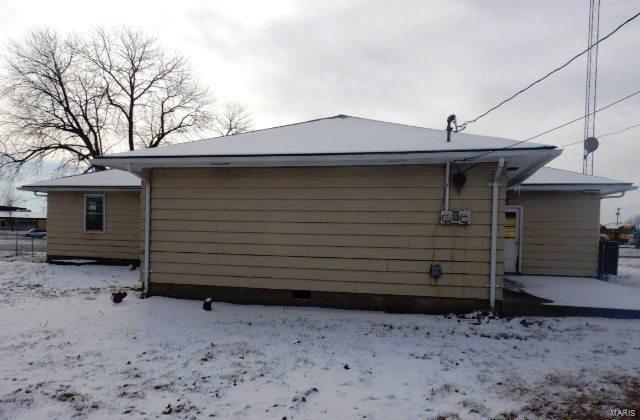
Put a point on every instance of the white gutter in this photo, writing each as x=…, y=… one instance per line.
x=376, y=158
x=621, y=194
x=446, y=185
x=589, y=188
x=494, y=233
x=82, y=188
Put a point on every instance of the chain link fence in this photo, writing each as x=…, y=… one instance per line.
x=18, y=243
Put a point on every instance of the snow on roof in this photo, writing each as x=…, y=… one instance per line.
x=23, y=215
x=550, y=176
x=341, y=134
x=552, y=179
x=109, y=179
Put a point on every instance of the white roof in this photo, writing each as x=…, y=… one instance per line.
x=23, y=215
x=341, y=134
x=111, y=179
x=559, y=179
x=339, y=141
x=547, y=176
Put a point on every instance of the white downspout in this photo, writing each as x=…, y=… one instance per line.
x=147, y=236
x=446, y=185
x=494, y=233
x=147, y=230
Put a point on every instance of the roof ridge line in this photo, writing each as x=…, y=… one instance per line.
x=345, y=116
x=251, y=131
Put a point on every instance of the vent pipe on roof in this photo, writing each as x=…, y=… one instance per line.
x=451, y=119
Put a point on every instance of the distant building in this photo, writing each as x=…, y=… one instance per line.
x=22, y=220
x=11, y=208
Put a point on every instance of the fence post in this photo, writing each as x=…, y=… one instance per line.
x=16, y=233
x=32, y=247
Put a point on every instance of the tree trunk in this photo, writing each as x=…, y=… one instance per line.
x=130, y=121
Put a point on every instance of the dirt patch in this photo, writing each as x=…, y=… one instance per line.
x=569, y=396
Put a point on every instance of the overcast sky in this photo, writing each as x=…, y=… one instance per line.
x=412, y=62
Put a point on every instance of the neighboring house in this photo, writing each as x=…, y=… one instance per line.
x=340, y=212
x=93, y=216
x=556, y=218
x=22, y=220
x=13, y=208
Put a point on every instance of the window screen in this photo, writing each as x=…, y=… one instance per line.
x=94, y=213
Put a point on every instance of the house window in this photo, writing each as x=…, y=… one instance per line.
x=94, y=213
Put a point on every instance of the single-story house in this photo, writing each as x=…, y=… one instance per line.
x=340, y=212
x=93, y=216
x=22, y=220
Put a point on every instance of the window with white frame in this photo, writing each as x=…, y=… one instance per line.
x=94, y=213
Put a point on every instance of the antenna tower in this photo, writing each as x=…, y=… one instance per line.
x=590, y=89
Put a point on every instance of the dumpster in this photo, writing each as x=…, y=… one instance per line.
x=608, y=258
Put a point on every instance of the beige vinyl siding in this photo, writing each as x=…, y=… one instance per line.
x=66, y=235
x=339, y=229
x=560, y=232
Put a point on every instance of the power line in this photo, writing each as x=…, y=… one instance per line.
x=620, y=131
x=603, y=135
x=557, y=69
x=582, y=117
x=624, y=207
x=554, y=128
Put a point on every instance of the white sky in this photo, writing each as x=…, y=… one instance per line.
x=408, y=61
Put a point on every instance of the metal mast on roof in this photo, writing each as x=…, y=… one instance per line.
x=590, y=89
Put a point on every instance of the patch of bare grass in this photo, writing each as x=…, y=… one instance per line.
x=583, y=397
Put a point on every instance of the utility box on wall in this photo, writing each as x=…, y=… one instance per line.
x=455, y=217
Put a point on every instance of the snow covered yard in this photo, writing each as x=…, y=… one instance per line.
x=67, y=350
x=628, y=272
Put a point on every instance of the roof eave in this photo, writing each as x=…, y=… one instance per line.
x=540, y=162
x=337, y=159
x=602, y=189
x=77, y=188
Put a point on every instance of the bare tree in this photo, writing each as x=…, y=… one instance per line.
x=9, y=199
x=71, y=99
x=233, y=119
x=8, y=196
x=53, y=103
x=153, y=92
x=176, y=107
x=635, y=221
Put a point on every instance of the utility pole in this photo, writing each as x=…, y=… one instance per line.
x=590, y=88
x=618, y=217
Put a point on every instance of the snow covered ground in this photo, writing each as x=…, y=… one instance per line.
x=628, y=272
x=67, y=350
x=580, y=292
x=629, y=251
x=617, y=292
